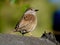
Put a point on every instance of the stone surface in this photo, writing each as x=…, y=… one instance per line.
x=8, y=39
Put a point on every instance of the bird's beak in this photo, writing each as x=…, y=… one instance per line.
x=36, y=10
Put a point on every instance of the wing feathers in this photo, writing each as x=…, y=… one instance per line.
x=26, y=21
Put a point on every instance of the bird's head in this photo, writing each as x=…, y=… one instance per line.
x=31, y=11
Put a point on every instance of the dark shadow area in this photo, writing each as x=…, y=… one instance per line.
x=57, y=37
x=56, y=23
x=56, y=20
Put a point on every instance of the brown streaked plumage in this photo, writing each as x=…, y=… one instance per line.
x=28, y=22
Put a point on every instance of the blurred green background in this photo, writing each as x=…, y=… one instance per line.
x=12, y=10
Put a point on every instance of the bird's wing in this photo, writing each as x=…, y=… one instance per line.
x=26, y=20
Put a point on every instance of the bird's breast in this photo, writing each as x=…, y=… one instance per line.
x=30, y=17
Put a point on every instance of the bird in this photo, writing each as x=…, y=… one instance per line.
x=28, y=22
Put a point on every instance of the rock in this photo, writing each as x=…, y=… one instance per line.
x=8, y=39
